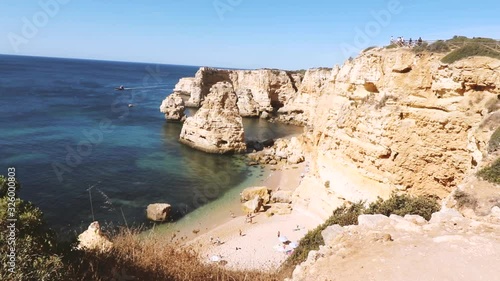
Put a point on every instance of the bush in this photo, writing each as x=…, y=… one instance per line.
x=348, y=215
x=391, y=46
x=369, y=48
x=469, y=50
x=494, y=142
x=421, y=48
x=439, y=46
x=491, y=173
x=344, y=215
x=464, y=199
x=35, y=245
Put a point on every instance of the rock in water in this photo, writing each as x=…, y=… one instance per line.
x=92, y=239
x=217, y=127
x=173, y=107
x=158, y=211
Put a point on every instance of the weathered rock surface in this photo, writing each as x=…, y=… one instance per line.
x=279, y=209
x=93, y=239
x=173, y=107
x=381, y=249
x=158, y=212
x=252, y=206
x=260, y=191
x=282, y=196
x=217, y=127
x=257, y=90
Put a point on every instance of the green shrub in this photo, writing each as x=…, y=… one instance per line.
x=491, y=173
x=345, y=215
x=404, y=205
x=35, y=244
x=469, y=50
x=494, y=142
x=421, y=48
x=439, y=46
x=391, y=46
x=369, y=48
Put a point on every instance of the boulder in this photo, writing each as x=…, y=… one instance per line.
x=280, y=209
x=265, y=115
x=331, y=233
x=282, y=196
x=252, y=206
x=446, y=215
x=217, y=127
x=92, y=239
x=173, y=107
x=373, y=221
x=158, y=212
x=261, y=192
x=295, y=158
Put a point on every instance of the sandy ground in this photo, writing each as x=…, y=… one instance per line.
x=258, y=246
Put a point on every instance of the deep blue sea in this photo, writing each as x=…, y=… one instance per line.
x=82, y=154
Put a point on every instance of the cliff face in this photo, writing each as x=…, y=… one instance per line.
x=405, y=119
x=387, y=119
x=257, y=90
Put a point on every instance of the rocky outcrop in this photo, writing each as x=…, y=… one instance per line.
x=258, y=91
x=283, y=151
x=93, y=239
x=217, y=127
x=252, y=206
x=259, y=191
x=418, y=130
x=173, y=108
x=158, y=212
x=379, y=245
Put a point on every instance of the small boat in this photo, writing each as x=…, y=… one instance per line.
x=121, y=88
x=131, y=105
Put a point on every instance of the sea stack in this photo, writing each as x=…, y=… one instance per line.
x=173, y=108
x=217, y=127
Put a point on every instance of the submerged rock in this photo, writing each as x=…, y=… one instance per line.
x=217, y=127
x=158, y=212
x=173, y=107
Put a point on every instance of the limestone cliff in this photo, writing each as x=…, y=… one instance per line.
x=404, y=120
x=257, y=90
x=217, y=127
x=388, y=119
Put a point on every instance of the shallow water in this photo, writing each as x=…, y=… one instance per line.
x=66, y=130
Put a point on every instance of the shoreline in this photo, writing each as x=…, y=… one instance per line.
x=258, y=247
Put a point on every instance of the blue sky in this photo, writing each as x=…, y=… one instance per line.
x=289, y=34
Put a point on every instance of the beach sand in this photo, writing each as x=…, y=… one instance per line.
x=258, y=246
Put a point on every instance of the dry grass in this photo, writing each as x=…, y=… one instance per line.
x=136, y=258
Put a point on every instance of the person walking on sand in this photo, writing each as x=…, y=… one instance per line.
x=279, y=234
x=241, y=233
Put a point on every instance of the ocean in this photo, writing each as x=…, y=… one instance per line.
x=84, y=151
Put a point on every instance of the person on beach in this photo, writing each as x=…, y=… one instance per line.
x=278, y=234
x=241, y=233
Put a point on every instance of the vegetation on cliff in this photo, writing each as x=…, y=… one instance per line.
x=348, y=215
x=491, y=173
x=27, y=244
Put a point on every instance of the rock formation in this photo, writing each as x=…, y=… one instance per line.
x=405, y=248
x=217, y=127
x=173, y=107
x=258, y=91
x=158, y=212
x=92, y=239
x=260, y=191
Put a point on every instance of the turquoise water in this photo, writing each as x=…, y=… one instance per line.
x=66, y=130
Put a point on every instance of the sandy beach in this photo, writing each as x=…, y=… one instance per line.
x=258, y=246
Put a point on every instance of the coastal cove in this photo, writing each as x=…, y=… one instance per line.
x=53, y=105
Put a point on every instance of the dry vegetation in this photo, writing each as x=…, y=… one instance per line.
x=135, y=258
